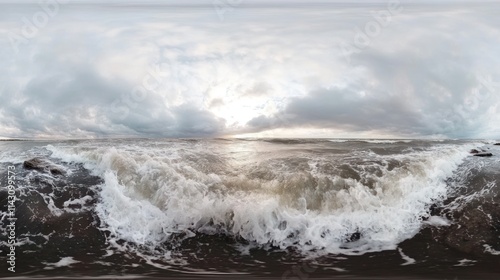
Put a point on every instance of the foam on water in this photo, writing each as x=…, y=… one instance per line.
x=466, y=262
x=437, y=221
x=372, y=141
x=490, y=250
x=406, y=258
x=151, y=193
x=338, y=140
x=378, y=141
x=66, y=261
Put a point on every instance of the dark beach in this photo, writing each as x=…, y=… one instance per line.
x=60, y=233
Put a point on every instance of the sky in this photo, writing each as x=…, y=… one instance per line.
x=249, y=68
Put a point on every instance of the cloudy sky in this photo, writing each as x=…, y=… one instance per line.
x=221, y=68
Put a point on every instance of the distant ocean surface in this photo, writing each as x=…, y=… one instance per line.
x=236, y=208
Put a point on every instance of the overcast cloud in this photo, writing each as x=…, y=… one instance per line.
x=322, y=69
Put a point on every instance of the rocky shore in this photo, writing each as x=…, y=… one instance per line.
x=51, y=204
x=475, y=224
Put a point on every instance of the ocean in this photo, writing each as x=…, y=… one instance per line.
x=245, y=208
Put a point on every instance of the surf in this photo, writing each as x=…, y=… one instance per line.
x=354, y=202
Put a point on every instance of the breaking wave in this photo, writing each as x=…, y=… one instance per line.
x=350, y=202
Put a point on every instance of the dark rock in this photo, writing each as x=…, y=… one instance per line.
x=474, y=151
x=497, y=144
x=43, y=165
x=56, y=171
x=34, y=163
x=354, y=237
x=474, y=227
x=54, y=227
x=483, y=154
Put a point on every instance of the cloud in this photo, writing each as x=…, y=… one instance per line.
x=412, y=81
x=154, y=72
x=258, y=90
x=75, y=101
x=217, y=102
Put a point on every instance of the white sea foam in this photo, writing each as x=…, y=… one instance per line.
x=153, y=192
x=17, y=153
x=372, y=141
x=489, y=249
x=77, y=205
x=382, y=141
x=406, y=258
x=437, y=221
x=466, y=262
x=66, y=261
x=48, y=198
x=80, y=201
x=463, y=200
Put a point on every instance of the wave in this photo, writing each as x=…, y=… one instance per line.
x=371, y=141
x=350, y=204
x=338, y=140
x=381, y=141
